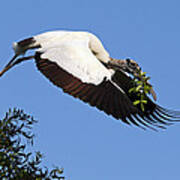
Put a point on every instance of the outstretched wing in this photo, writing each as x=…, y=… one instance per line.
x=153, y=114
x=105, y=96
x=98, y=86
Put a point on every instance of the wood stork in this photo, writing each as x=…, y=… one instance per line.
x=78, y=63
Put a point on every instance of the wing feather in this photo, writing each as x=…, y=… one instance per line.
x=107, y=97
x=104, y=96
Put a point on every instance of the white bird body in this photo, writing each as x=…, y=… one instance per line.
x=78, y=63
x=71, y=38
x=73, y=52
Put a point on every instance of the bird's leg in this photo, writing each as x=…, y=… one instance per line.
x=125, y=65
x=11, y=64
x=117, y=64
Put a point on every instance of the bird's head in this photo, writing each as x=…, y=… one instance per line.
x=20, y=48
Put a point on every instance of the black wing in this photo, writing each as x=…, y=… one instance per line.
x=108, y=97
x=153, y=114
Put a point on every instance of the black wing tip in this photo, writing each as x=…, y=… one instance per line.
x=159, y=119
x=155, y=117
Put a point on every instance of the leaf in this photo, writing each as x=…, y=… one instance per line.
x=144, y=101
x=132, y=90
x=141, y=88
x=136, y=102
x=138, y=87
x=16, y=162
x=142, y=107
x=143, y=73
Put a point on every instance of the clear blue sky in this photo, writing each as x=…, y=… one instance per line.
x=86, y=142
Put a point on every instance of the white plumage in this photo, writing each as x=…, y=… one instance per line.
x=84, y=39
x=78, y=63
x=73, y=52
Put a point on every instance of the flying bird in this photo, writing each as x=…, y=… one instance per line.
x=78, y=63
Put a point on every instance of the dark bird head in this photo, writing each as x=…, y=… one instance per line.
x=20, y=48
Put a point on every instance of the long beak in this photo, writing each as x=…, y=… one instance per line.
x=12, y=63
x=9, y=65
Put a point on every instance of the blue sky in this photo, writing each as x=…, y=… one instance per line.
x=86, y=142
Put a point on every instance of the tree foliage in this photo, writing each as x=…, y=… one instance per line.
x=16, y=163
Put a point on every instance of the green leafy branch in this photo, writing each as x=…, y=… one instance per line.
x=141, y=88
x=15, y=161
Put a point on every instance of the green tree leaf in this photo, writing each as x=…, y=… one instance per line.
x=16, y=163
